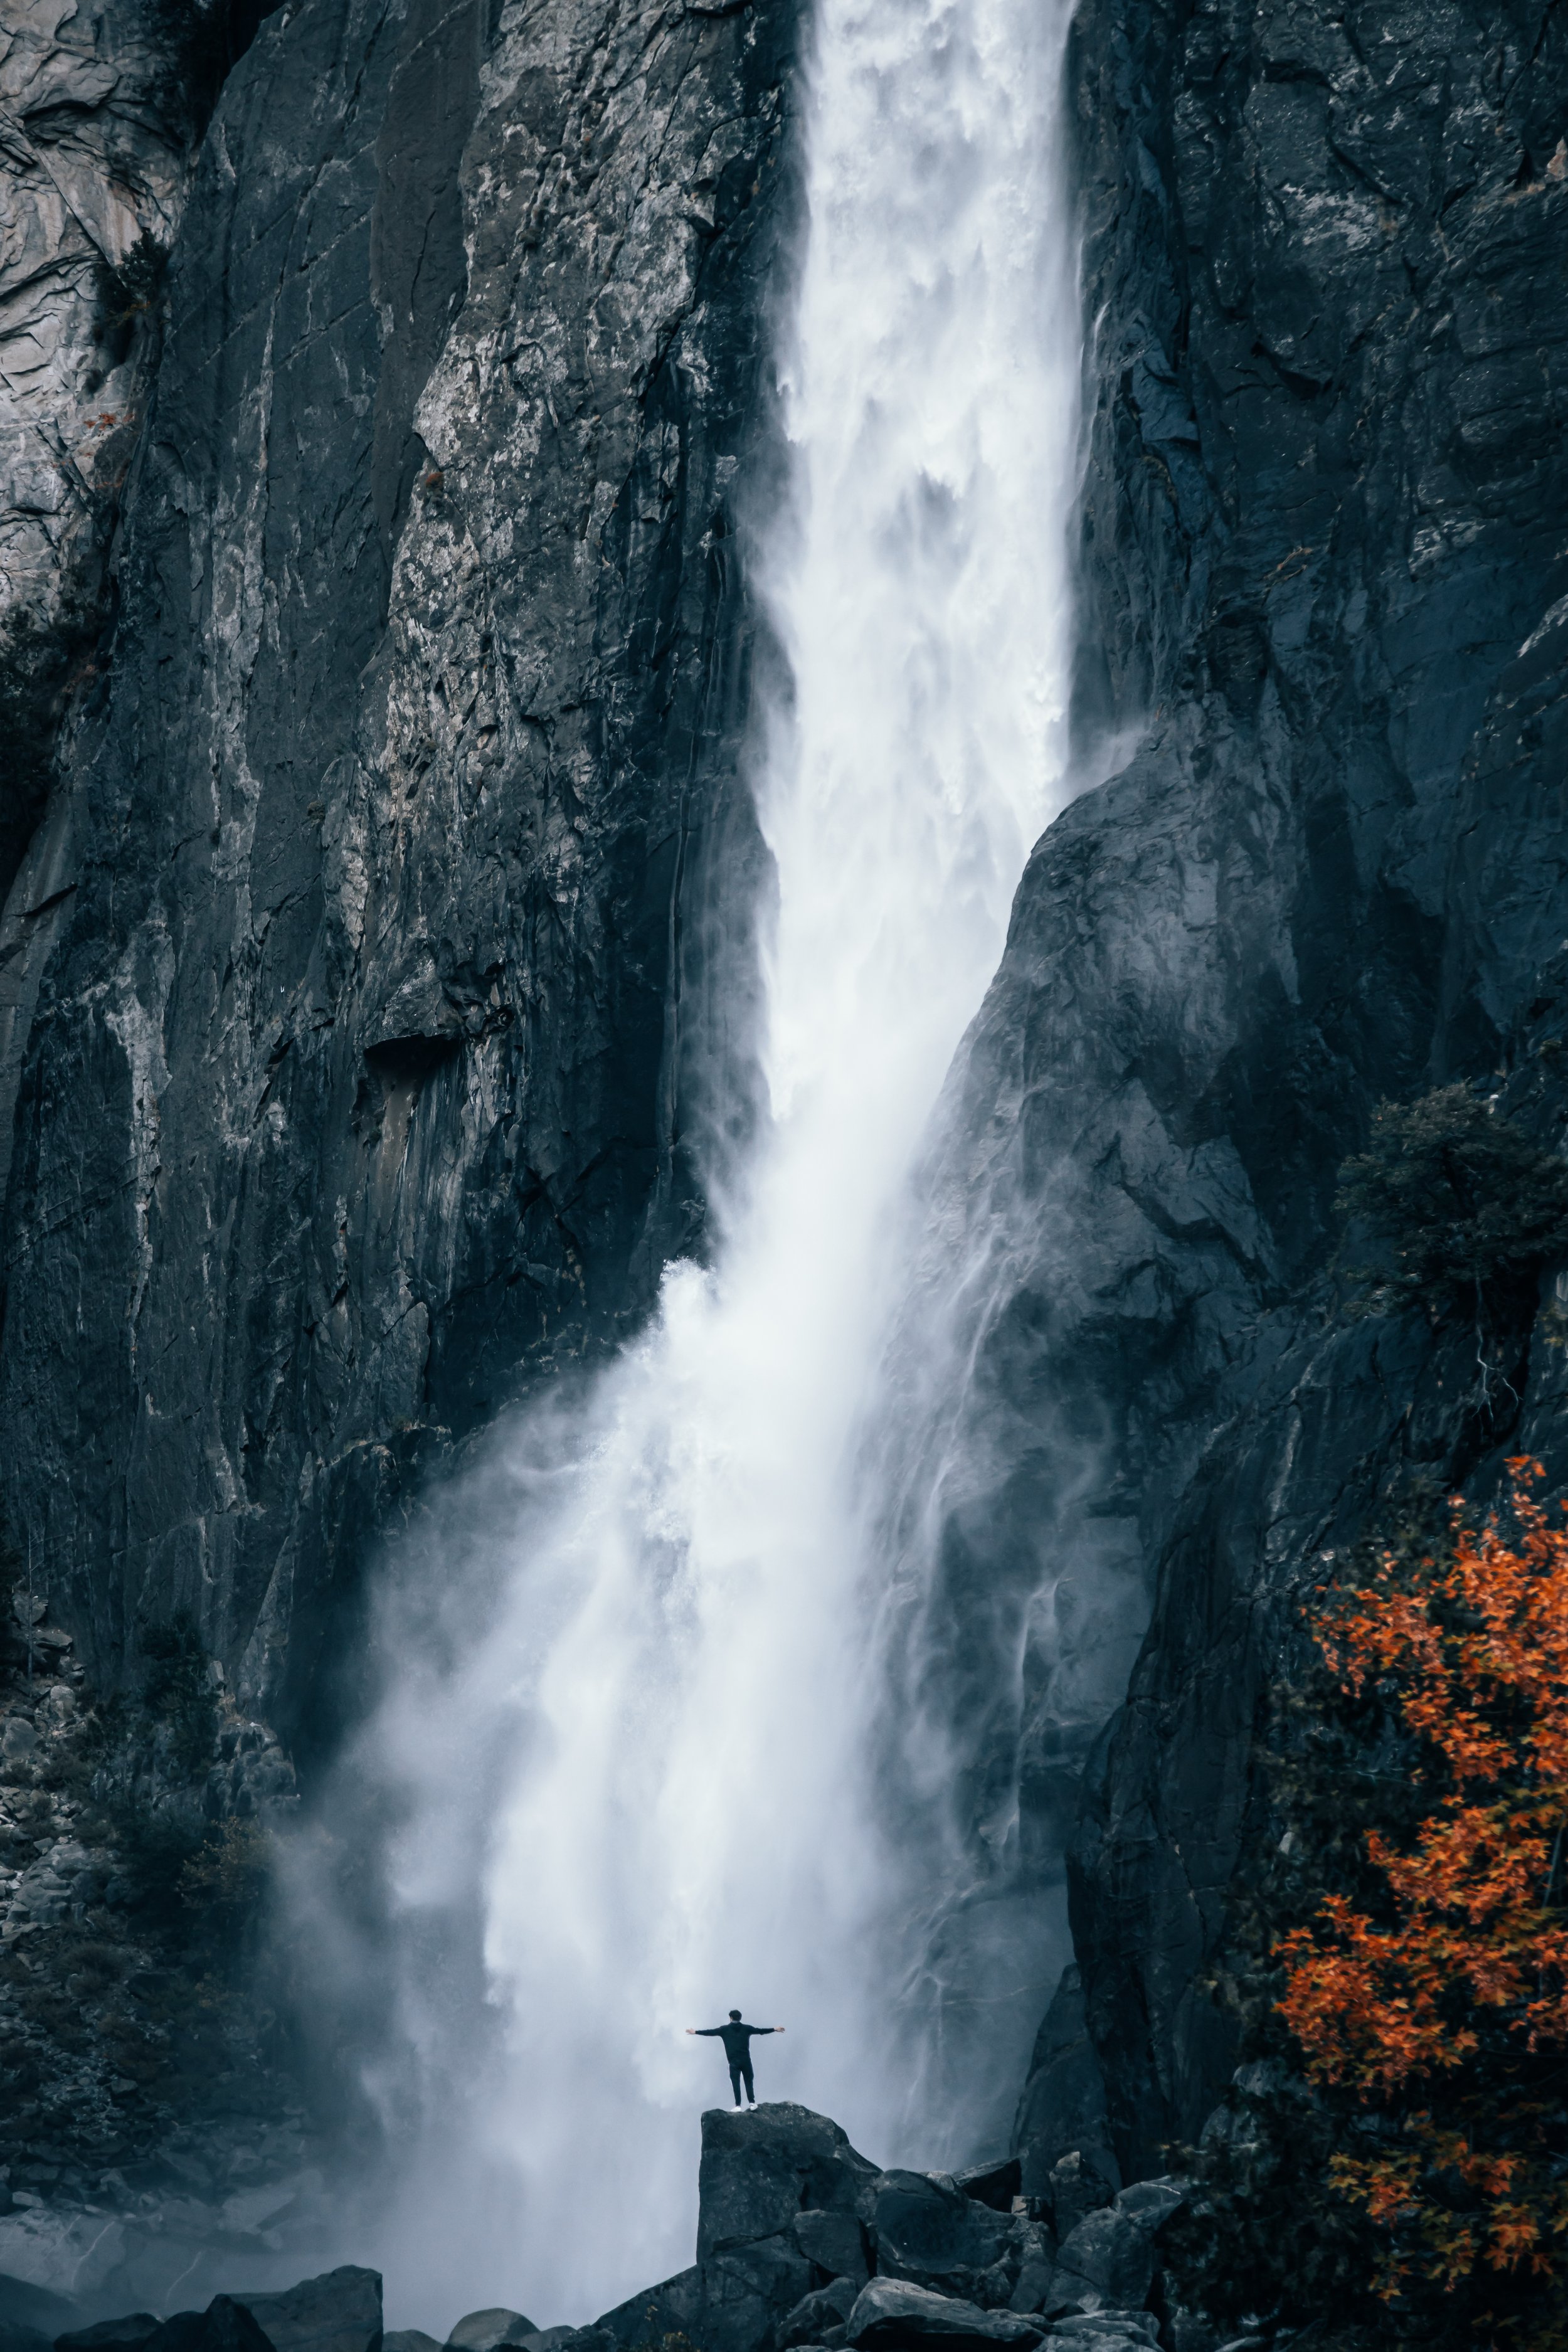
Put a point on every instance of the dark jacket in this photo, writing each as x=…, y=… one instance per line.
x=736, y=2039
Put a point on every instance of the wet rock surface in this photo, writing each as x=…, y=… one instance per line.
x=1324, y=582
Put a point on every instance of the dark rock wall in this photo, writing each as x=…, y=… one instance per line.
x=1324, y=576
x=359, y=1081
x=375, y=938
x=1329, y=244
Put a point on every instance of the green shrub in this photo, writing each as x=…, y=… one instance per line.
x=1462, y=1207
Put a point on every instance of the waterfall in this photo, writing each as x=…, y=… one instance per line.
x=622, y=1736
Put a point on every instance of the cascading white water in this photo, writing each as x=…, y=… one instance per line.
x=639, y=1760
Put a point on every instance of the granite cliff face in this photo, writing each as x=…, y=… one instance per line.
x=1323, y=569
x=361, y=960
x=361, y=977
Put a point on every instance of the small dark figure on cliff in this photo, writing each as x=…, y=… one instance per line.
x=737, y=2041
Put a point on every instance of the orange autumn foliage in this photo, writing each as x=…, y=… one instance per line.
x=1449, y=2011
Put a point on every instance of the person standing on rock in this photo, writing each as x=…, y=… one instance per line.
x=737, y=2041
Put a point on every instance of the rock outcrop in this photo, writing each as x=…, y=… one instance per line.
x=364, y=956
x=1324, y=584
x=780, y=2187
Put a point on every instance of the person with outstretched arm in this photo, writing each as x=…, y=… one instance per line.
x=737, y=2041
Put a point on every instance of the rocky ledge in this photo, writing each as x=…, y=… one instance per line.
x=802, y=2243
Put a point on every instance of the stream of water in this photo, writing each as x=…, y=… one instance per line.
x=626, y=1745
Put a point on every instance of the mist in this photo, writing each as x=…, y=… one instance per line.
x=629, y=1765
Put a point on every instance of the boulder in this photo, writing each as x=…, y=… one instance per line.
x=544, y=2339
x=995, y=2184
x=414, y=2339
x=671, y=2308
x=227, y=2325
x=1109, y=2260
x=824, y=2309
x=1104, y=2331
x=1151, y=2203
x=779, y=2189
x=895, y=2313
x=761, y=2168
x=338, y=2312
x=127, y=2334
x=179, y=2332
x=1081, y=2182
x=925, y=2227
x=1038, y=2260
x=834, y=2243
x=747, y=2289
x=484, y=2331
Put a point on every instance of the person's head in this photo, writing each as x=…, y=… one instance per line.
x=736, y=2015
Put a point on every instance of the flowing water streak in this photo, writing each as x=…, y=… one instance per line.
x=650, y=1759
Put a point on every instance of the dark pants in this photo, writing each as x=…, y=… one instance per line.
x=739, y=2075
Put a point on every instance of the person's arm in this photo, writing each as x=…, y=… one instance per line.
x=705, y=2029
x=767, y=2029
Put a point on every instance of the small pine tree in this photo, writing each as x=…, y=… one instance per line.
x=1462, y=1208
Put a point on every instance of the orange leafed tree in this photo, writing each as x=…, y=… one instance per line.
x=1444, y=2007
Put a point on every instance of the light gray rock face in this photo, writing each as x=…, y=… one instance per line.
x=357, y=1084
x=93, y=146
